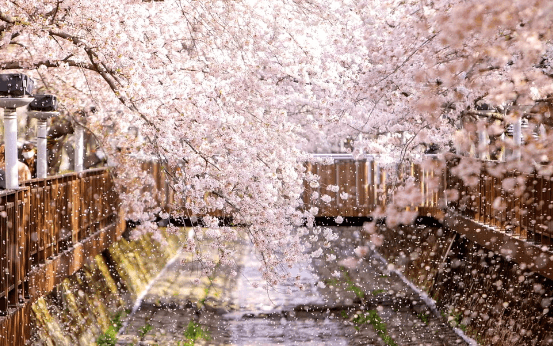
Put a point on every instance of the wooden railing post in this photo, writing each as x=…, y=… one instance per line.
x=4, y=246
x=24, y=227
x=75, y=209
x=13, y=258
x=82, y=208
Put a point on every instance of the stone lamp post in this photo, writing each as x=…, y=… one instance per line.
x=43, y=108
x=15, y=92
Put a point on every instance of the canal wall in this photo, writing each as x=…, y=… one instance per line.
x=86, y=307
x=494, y=300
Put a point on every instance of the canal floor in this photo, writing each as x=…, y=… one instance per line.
x=367, y=305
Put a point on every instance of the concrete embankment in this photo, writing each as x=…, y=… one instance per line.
x=85, y=305
x=496, y=301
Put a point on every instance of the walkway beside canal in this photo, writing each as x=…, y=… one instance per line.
x=368, y=305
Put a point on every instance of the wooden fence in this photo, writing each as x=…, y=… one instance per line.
x=162, y=192
x=517, y=204
x=40, y=224
x=66, y=209
x=356, y=188
x=165, y=196
x=14, y=248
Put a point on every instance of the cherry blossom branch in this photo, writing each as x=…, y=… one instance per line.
x=7, y=18
x=404, y=149
x=55, y=12
x=109, y=77
x=405, y=61
x=111, y=80
x=494, y=115
x=18, y=65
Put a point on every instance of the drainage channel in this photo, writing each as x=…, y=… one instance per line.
x=273, y=318
x=235, y=310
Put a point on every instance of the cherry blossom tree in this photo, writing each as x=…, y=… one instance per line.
x=231, y=96
x=209, y=84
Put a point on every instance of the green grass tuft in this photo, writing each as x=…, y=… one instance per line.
x=371, y=317
x=109, y=337
x=194, y=332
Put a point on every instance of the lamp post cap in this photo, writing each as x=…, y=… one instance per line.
x=14, y=102
x=15, y=85
x=44, y=103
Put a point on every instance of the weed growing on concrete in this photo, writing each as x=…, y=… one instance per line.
x=351, y=286
x=332, y=282
x=455, y=320
x=371, y=317
x=424, y=317
x=144, y=330
x=194, y=332
x=109, y=337
x=355, y=289
x=377, y=292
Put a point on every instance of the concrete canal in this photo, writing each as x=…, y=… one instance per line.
x=366, y=305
